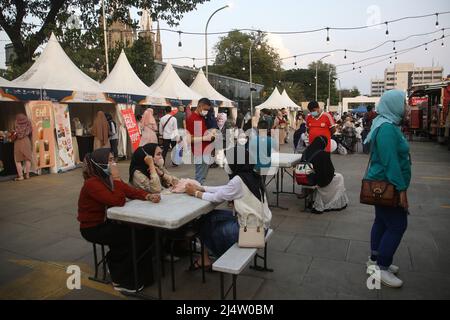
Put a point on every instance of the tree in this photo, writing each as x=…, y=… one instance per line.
x=350, y=93
x=232, y=59
x=52, y=15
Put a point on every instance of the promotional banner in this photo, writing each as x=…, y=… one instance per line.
x=43, y=136
x=63, y=136
x=132, y=127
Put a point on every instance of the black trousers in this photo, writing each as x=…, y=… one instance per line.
x=119, y=258
x=167, y=143
x=114, y=147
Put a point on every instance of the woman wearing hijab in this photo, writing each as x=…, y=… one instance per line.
x=280, y=124
x=149, y=128
x=22, y=146
x=100, y=130
x=219, y=229
x=330, y=194
x=147, y=171
x=102, y=189
x=391, y=162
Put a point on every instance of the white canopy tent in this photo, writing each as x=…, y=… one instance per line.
x=54, y=70
x=202, y=86
x=288, y=101
x=4, y=82
x=275, y=101
x=170, y=86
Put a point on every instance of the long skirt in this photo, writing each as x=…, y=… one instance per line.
x=98, y=144
x=332, y=197
x=22, y=150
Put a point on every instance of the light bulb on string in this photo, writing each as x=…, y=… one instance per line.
x=395, y=55
x=193, y=63
x=295, y=57
x=437, y=20
x=426, y=47
x=360, y=70
x=387, y=28
x=353, y=66
x=394, y=46
x=328, y=35
x=390, y=60
x=179, y=39
x=345, y=56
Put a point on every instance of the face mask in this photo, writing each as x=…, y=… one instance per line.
x=160, y=163
x=107, y=171
x=242, y=141
x=315, y=114
x=204, y=113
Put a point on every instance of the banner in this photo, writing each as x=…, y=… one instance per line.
x=415, y=101
x=43, y=136
x=63, y=136
x=132, y=127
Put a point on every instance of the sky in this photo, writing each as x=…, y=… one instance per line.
x=298, y=15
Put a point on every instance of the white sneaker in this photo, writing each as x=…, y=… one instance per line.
x=392, y=268
x=117, y=287
x=390, y=280
x=386, y=277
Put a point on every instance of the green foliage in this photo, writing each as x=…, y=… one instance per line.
x=232, y=58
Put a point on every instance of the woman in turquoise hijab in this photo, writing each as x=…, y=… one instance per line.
x=390, y=161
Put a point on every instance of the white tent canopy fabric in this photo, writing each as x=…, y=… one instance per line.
x=54, y=70
x=288, y=101
x=275, y=101
x=4, y=82
x=202, y=86
x=170, y=86
x=123, y=79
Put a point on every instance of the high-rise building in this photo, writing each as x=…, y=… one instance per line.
x=405, y=75
x=377, y=87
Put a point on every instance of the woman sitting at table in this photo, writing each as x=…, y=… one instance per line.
x=219, y=230
x=103, y=188
x=330, y=194
x=147, y=171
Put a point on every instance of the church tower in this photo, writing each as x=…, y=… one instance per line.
x=158, y=45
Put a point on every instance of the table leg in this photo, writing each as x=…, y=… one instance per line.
x=134, y=255
x=158, y=262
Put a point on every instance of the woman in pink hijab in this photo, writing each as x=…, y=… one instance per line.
x=149, y=128
x=22, y=146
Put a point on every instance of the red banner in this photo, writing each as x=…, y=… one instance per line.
x=415, y=101
x=132, y=127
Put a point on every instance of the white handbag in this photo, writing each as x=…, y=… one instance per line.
x=252, y=236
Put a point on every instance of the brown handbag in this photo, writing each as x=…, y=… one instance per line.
x=380, y=193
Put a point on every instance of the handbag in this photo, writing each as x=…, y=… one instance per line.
x=379, y=193
x=252, y=236
x=160, y=135
x=303, y=170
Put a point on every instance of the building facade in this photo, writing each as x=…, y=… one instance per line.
x=405, y=75
x=376, y=87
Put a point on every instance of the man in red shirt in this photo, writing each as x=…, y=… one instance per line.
x=319, y=123
x=200, y=139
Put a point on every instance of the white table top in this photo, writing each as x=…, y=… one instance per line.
x=174, y=211
x=285, y=160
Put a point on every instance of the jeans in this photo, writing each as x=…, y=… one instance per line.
x=201, y=170
x=114, y=147
x=219, y=230
x=387, y=231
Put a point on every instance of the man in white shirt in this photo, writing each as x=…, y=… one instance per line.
x=168, y=128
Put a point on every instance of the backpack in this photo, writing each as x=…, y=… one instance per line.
x=304, y=169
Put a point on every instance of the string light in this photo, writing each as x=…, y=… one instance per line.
x=193, y=61
x=443, y=36
x=295, y=63
x=390, y=60
x=437, y=20
x=394, y=46
x=426, y=46
x=179, y=40
x=387, y=28
x=345, y=56
x=328, y=35
x=395, y=55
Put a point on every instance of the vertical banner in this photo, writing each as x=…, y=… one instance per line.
x=63, y=136
x=132, y=127
x=43, y=136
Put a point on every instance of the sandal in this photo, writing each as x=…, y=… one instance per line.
x=19, y=179
x=197, y=266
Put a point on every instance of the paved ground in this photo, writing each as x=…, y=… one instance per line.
x=314, y=257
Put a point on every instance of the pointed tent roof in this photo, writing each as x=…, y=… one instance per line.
x=123, y=79
x=288, y=101
x=202, y=86
x=54, y=70
x=4, y=82
x=170, y=86
x=275, y=101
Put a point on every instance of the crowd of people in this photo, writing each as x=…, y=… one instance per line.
x=219, y=230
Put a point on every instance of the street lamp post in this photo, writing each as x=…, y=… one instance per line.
x=250, y=69
x=105, y=38
x=317, y=66
x=206, y=37
x=340, y=94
